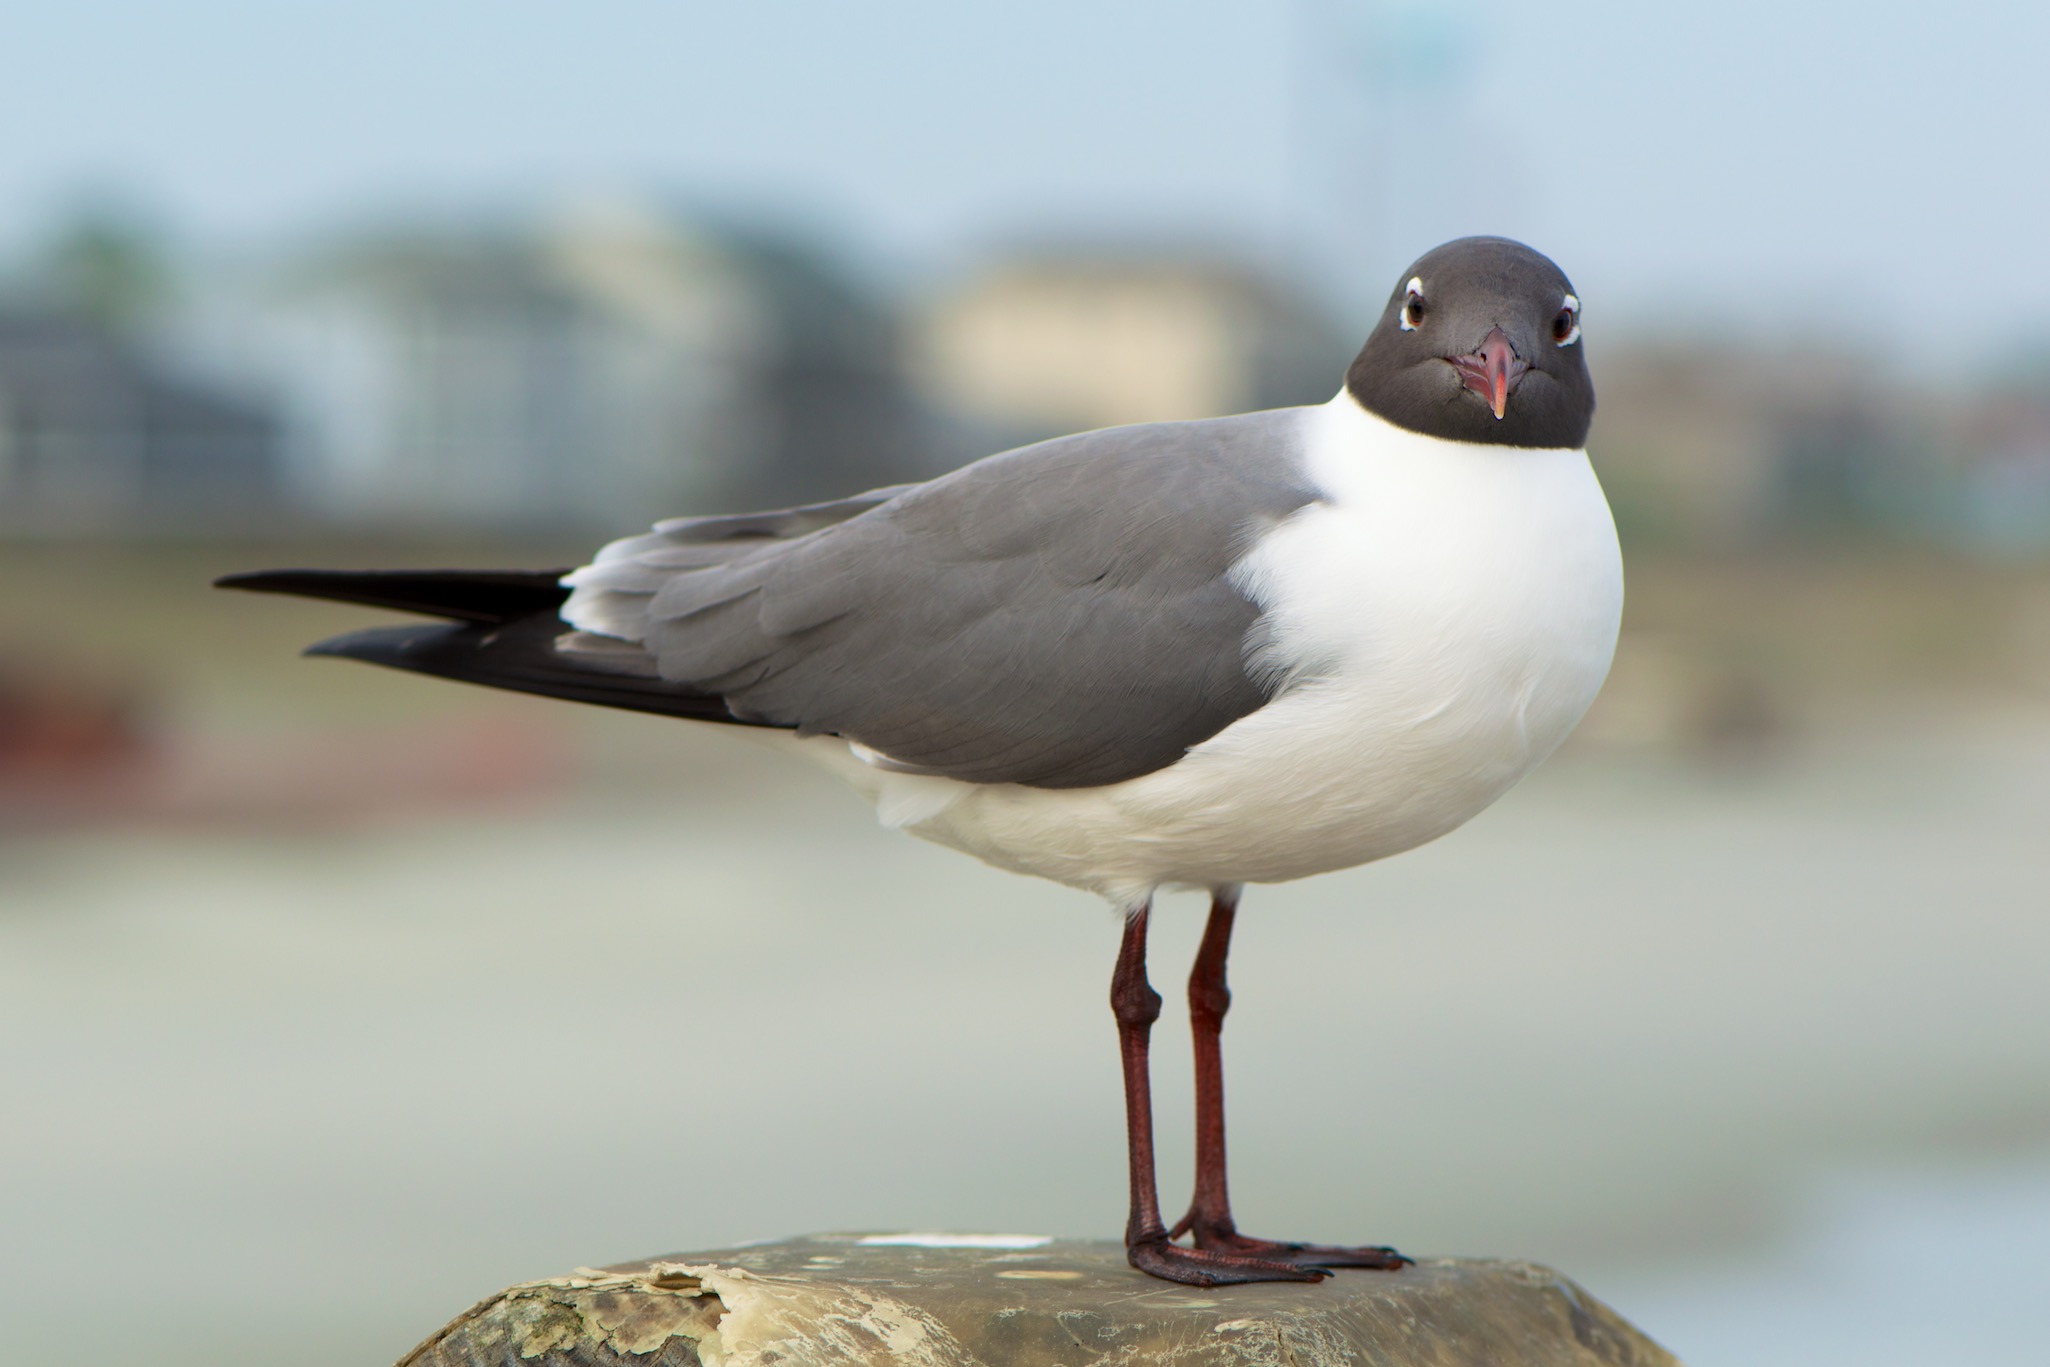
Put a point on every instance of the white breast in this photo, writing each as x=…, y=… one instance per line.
x=1439, y=622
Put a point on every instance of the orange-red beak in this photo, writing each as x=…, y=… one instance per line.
x=1492, y=371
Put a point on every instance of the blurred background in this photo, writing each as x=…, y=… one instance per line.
x=333, y=999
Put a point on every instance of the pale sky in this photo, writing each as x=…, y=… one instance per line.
x=1767, y=166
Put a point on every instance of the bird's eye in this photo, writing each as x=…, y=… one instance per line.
x=1566, y=323
x=1413, y=307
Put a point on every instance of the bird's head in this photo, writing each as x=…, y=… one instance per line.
x=1480, y=342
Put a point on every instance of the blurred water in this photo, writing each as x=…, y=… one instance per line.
x=1888, y=1267
x=321, y=1089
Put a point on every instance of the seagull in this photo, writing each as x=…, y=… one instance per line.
x=1180, y=655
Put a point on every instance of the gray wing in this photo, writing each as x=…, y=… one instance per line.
x=1059, y=615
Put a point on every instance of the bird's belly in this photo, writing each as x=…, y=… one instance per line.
x=1325, y=778
x=1431, y=662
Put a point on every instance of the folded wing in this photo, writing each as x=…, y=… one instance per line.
x=1061, y=615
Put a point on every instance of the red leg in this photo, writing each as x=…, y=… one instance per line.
x=1209, y=999
x=1147, y=1247
x=1209, y=1217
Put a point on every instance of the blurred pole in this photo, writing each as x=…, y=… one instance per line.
x=1368, y=78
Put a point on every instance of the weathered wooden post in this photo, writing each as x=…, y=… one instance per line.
x=840, y=1300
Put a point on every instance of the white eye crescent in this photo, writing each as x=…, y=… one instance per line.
x=1566, y=322
x=1412, y=315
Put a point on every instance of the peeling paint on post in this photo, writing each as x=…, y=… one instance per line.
x=836, y=1300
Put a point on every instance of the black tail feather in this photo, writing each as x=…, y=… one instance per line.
x=492, y=597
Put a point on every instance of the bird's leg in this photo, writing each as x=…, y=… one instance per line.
x=1209, y=998
x=1147, y=1246
x=1209, y=1217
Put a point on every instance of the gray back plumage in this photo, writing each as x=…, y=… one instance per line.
x=1059, y=615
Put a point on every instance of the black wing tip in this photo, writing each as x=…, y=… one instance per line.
x=262, y=581
x=382, y=645
x=520, y=658
x=496, y=597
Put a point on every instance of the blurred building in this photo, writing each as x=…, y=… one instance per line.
x=612, y=365
x=1063, y=341
x=1728, y=447
x=1998, y=471
x=98, y=437
x=604, y=369
x=1688, y=439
